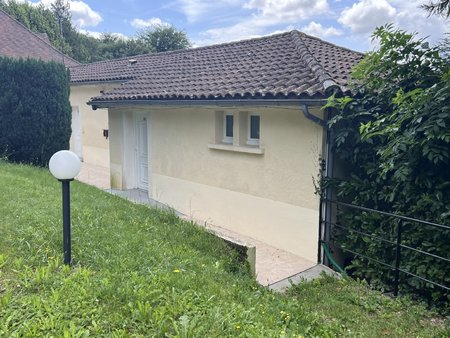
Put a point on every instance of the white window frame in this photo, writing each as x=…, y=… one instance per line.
x=227, y=139
x=252, y=141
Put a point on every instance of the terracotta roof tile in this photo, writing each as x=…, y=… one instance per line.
x=17, y=41
x=290, y=64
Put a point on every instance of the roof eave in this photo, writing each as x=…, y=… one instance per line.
x=221, y=102
x=99, y=82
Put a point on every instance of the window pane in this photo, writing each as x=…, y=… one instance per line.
x=229, y=125
x=254, y=127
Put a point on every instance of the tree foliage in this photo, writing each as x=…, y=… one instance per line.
x=163, y=38
x=441, y=7
x=35, y=111
x=394, y=136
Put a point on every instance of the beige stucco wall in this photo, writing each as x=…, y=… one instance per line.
x=269, y=195
x=122, y=149
x=95, y=147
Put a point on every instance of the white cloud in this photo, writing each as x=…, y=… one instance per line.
x=285, y=11
x=412, y=18
x=194, y=10
x=365, y=15
x=99, y=35
x=317, y=30
x=226, y=34
x=140, y=23
x=269, y=11
x=82, y=14
x=265, y=14
x=94, y=34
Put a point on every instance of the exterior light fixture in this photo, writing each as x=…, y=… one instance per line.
x=65, y=165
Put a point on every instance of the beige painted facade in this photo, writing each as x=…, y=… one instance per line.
x=87, y=138
x=265, y=192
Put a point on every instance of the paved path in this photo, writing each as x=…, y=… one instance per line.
x=272, y=264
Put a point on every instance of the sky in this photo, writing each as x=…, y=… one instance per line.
x=348, y=23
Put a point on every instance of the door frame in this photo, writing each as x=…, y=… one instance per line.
x=138, y=119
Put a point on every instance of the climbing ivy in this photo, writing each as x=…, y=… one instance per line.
x=393, y=136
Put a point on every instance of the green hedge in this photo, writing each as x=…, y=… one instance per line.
x=393, y=136
x=35, y=111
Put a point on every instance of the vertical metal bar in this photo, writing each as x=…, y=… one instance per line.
x=398, y=257
x=66, y=221
x=319, y=243
x=329, y=166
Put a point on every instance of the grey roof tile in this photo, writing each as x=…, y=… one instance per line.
x=287, y=65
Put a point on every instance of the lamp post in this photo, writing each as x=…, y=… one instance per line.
x=65, y=165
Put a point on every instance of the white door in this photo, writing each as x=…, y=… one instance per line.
x=77, y=146
x=142, y=152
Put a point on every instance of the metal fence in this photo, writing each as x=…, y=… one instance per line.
x=399, y=246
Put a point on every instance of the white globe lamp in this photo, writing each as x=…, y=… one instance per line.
x=65, y=165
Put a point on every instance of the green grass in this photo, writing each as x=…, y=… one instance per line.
x=142, y=272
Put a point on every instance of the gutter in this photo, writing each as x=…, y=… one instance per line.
x=221, y=103
x=325, y=223
x=313, y=118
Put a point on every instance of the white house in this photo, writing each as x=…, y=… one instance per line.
x=229, y=134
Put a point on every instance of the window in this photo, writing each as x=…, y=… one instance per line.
x=237, y=131
x=228, y=125
x=253, y=130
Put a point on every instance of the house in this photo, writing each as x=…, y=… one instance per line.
x=229, y=134
x=90, y=132
x=17, y=41
x=89, y=139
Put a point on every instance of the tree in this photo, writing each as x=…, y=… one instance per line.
x=163, y=38
x=112, y=46
x=34, y=109
x=394, y=135
x=441, y=7
x=60, y=9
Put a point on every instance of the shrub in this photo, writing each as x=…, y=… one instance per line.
x=35, y=111
x=394, y=135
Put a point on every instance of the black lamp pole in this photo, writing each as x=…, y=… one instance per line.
x=65, y=165
x=66, y=220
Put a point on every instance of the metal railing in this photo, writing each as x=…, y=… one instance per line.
x=397, y=243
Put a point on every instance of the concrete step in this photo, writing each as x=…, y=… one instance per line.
x=307, y=275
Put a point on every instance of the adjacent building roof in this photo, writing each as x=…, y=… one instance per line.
x=287, y=65
x=17, y=41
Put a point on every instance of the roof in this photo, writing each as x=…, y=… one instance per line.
x=17, y=41
x=287, y=65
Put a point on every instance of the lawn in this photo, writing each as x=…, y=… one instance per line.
x=142, y=272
